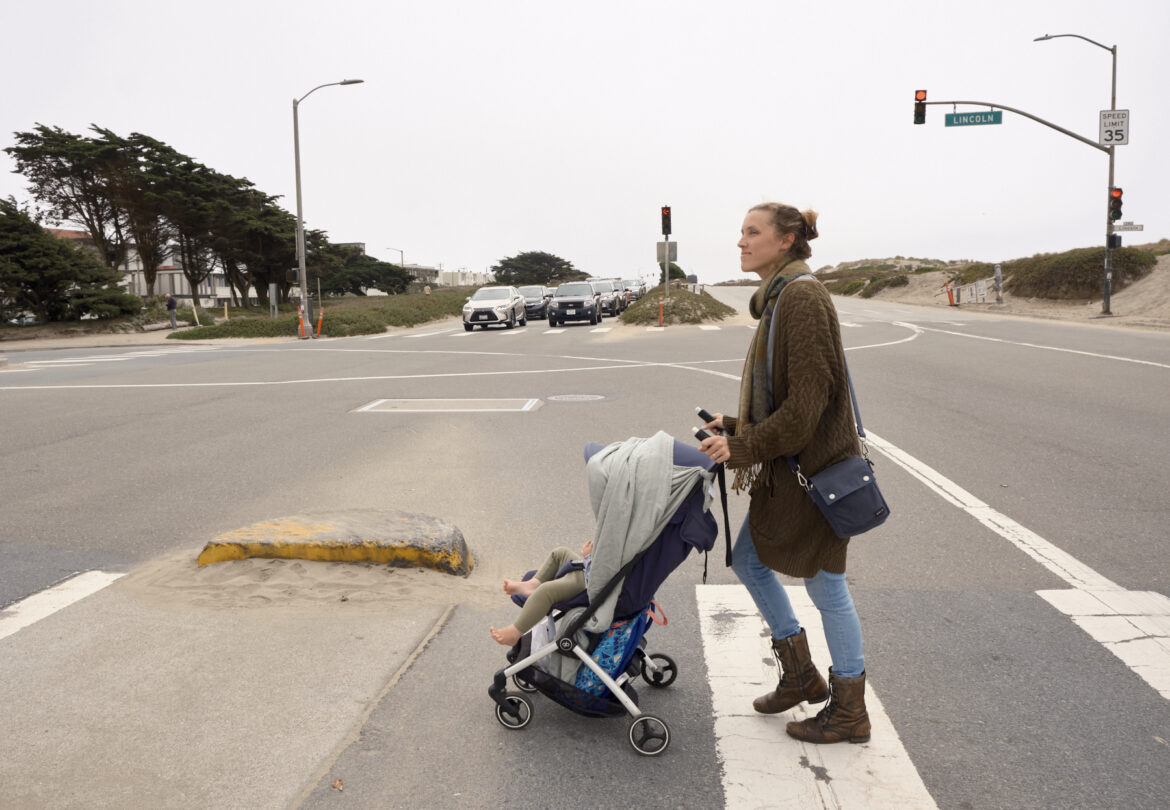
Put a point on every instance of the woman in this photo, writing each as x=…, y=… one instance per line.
x=795, y=405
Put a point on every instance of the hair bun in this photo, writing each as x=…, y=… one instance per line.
x=810, y=224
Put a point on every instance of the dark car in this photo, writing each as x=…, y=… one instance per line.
x=536, y=300
x=575, y=301
x=635, y=287
x=612, y=301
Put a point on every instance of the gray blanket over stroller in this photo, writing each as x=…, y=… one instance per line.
x=635, y=489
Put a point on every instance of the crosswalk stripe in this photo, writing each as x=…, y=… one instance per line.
x=32, y=609
x=762, y=765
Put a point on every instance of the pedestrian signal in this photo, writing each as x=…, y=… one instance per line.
x=919, y=106
x=1115, y=203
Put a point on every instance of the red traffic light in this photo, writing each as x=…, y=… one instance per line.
x=919, y=106
x=666, y=220
x=1115, y=193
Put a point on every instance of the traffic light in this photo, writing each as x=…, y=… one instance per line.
x=666, y=220
x=1115, y=203
x=1114, y=241
x=919, y=106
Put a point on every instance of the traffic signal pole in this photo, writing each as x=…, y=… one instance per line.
x=1109, y=215
x=1106, y=149
x=1112, y=210
x=666, y=252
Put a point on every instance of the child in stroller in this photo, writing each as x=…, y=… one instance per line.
x=559, y=579
x=651, y=498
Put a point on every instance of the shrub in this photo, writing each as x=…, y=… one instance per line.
x=879, y=284
x=683, y=306
x=1075, y=274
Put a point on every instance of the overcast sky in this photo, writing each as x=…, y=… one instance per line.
x=485, y=129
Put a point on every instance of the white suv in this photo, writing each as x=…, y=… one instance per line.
x=494, y=305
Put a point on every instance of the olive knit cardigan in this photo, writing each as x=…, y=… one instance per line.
x=812, y=417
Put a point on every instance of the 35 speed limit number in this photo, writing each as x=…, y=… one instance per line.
x=1114, y=128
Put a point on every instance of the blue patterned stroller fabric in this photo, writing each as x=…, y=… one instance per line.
x=611, y=655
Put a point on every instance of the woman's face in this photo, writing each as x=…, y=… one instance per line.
x=760, y=247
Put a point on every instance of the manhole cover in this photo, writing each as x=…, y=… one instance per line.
x=576, y=397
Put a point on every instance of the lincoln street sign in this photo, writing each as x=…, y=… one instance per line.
x=972, y=119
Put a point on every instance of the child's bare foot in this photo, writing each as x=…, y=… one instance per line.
x=507, y=636
x=522, y=587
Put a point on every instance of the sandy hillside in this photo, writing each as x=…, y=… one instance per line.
x=1145, y=304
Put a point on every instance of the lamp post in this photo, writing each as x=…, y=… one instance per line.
x=1108, y=220
x=401, y=258
x=302, y=271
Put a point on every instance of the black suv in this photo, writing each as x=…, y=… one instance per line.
x=574, y=301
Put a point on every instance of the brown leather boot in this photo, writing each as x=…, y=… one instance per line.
x=845, y=718
x=799, y=679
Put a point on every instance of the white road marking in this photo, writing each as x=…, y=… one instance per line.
x=60, y=364
x=1133, y=625
x=762, y=765
x=915, y=332
x=33, y=608
x=850, y=325
x=708, y=328
x=1036, y=346
x=601, y=329
x=87, y=360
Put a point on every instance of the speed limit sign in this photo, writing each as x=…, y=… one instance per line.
x=1114, y=127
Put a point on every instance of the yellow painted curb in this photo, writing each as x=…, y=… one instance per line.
x=389, y=538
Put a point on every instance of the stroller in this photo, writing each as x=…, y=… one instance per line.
x=584, y=654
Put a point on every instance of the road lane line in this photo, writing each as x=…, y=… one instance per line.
x=1133, y=625
x=32, y=609
x=1037, y=346
x=762, y=765
x=1060, y=563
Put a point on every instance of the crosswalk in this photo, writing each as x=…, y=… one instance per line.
x=762, y=765
x=88, y=360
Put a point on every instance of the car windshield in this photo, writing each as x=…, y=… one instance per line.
x=532, y=292
x=630, y=282
x=574, y=289
x=603, y=286
x=491, y=294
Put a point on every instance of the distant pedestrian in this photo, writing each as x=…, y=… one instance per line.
x=427, y=289
x=794, y=401
x=172, y=305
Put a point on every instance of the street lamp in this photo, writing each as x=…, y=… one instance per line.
x=302, y=271
x=1108, y=220
x=401, y=258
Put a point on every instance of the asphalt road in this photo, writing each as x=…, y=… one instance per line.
x=118, y=458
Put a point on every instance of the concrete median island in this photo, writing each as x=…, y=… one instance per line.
x=364, y=535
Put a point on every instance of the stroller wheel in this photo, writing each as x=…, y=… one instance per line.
x=522, y=684
x=659, y=670
x=649, y=735
x=522, y=711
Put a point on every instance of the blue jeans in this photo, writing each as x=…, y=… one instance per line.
x=828, y=592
